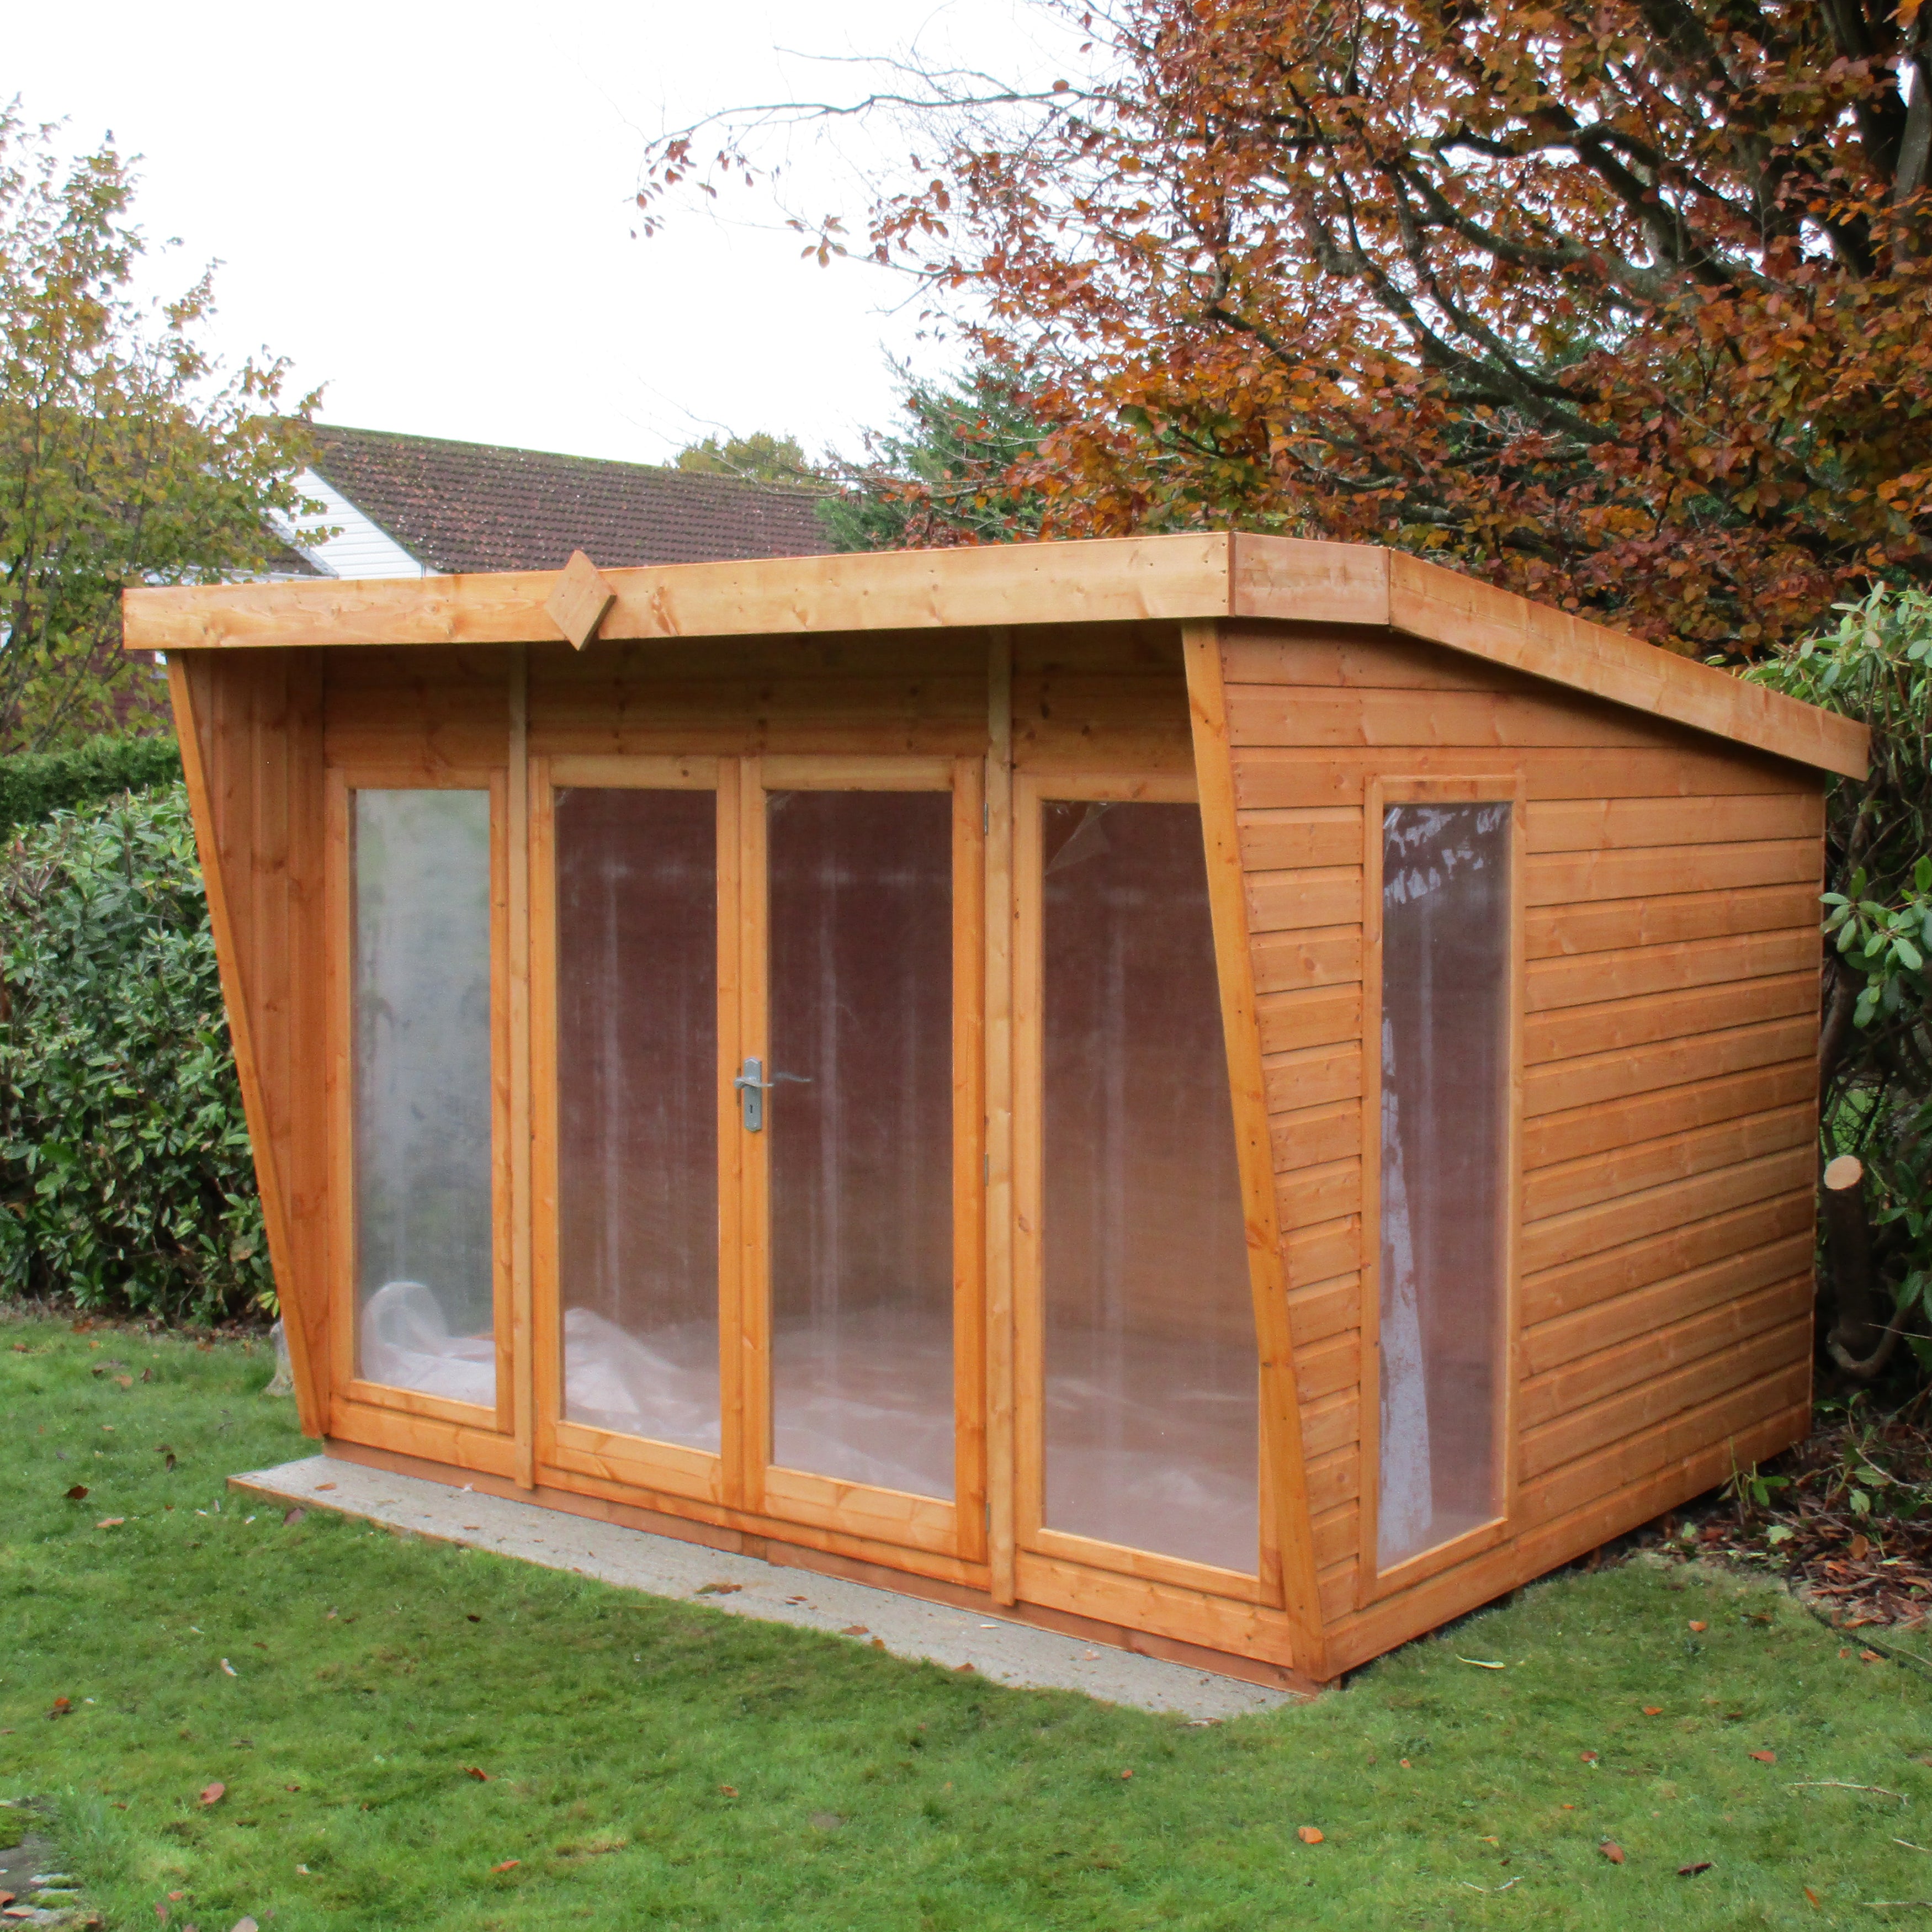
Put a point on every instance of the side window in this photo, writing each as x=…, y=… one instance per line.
x=422, y=1106
x=1443, y=1303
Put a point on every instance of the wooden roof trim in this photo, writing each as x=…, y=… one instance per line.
x=1110, y=580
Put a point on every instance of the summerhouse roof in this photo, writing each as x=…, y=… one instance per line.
x=1192, y=577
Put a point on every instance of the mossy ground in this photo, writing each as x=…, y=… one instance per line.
x=659, y=1765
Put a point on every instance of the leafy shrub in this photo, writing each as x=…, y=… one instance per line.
x=1875, y=1052
x=35, y=785
x=125, y=1176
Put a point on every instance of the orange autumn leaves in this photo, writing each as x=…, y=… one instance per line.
x=1635, y=323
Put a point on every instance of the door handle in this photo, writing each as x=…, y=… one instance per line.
x=752, y=1087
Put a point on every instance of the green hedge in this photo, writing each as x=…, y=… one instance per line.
x=125, y=1176
x=35, y=785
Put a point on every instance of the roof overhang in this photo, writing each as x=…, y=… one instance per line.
x=1121, y=580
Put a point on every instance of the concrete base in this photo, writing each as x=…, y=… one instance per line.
x=1005, y=1652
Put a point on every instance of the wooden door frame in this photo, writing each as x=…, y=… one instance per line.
x=956, y=1527
x=1505, y=786
x=1031, y=790
x=565, y=1449
x=350, y=1395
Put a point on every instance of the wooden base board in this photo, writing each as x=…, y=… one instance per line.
x=771, y=1549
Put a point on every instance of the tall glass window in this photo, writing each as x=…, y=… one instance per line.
x=424, y=1264
x=637, y=1035
x=1151, y=1420
x=1445, y=990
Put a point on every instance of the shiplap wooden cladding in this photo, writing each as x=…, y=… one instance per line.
x=1662, y=828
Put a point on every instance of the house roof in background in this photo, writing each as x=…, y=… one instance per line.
x=477, y=506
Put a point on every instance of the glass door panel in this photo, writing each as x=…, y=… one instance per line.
x=1150, y=1424
x=636, y=1111
x=858, y=1114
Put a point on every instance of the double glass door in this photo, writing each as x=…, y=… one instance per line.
x=757, y=1284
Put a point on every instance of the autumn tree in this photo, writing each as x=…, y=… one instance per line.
x=1626, y=304
x=938, y=481
x=123, y=459
x=760, y=457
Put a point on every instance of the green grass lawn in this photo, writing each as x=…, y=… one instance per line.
x=653, y=1764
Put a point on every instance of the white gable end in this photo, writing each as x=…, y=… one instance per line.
x=360, y=548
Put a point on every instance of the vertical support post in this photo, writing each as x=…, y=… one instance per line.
x=517, y=819
x=999, y=1162
x=1267, y=1267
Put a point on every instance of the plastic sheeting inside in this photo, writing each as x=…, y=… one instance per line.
x=1151, y=1418
x=860, y=1126
x=423, y=1098
x=637, y=1101
x=1445, y=986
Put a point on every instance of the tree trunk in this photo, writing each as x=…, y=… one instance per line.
x=1861, y=1339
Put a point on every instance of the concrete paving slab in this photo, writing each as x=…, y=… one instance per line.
x=1002, y=1651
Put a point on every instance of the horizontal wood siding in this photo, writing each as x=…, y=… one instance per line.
x=1667, y=1143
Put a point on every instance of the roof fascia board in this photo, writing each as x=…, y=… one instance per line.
x=1110, y=580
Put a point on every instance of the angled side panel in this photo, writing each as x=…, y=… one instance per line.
x=251, y=732
x=1268, y=1270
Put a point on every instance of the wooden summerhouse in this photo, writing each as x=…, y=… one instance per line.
x=1232, y=1096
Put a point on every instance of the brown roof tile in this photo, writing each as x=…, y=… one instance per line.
x=459, y=506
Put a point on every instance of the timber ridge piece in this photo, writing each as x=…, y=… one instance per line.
x=1115, y=579
x=581, y=601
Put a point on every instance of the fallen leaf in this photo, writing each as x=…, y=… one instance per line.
x=963, y=1670
x=1812, y=1896
x=126, y=1381
x=827, y=1821
x=1405, y=1763
x=293, y=1516
x=1128, y=1773
x=855, y=1630
x=1482, y=1663
x=1696, y=1625
x=727, y=1791
x=1861, y=1544
x=147, y=1375
x=1691, y=1871
x=245, y=1925
x=472, y=1616
x=509, y=1864
x=62, y=1707
x=229, y=1668
x=175, y=1898
x=1309, y=1835
x=78, y=1493
x=1766, y=1757
x=110, y=1523
x=1870, y=1657
x=477, y=1772
x=1611, y=1850
x=1653, y=1710
x=213, y=1794
x=878, y=1643
x=291, y=1787
x=1589, y=1757
x=717, y=1589
x=325, y=1486
x=19, y=1348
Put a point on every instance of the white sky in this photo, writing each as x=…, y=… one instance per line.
x=427, y=207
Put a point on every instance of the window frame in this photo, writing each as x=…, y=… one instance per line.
x=1381, y=791
x=347, y=1387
